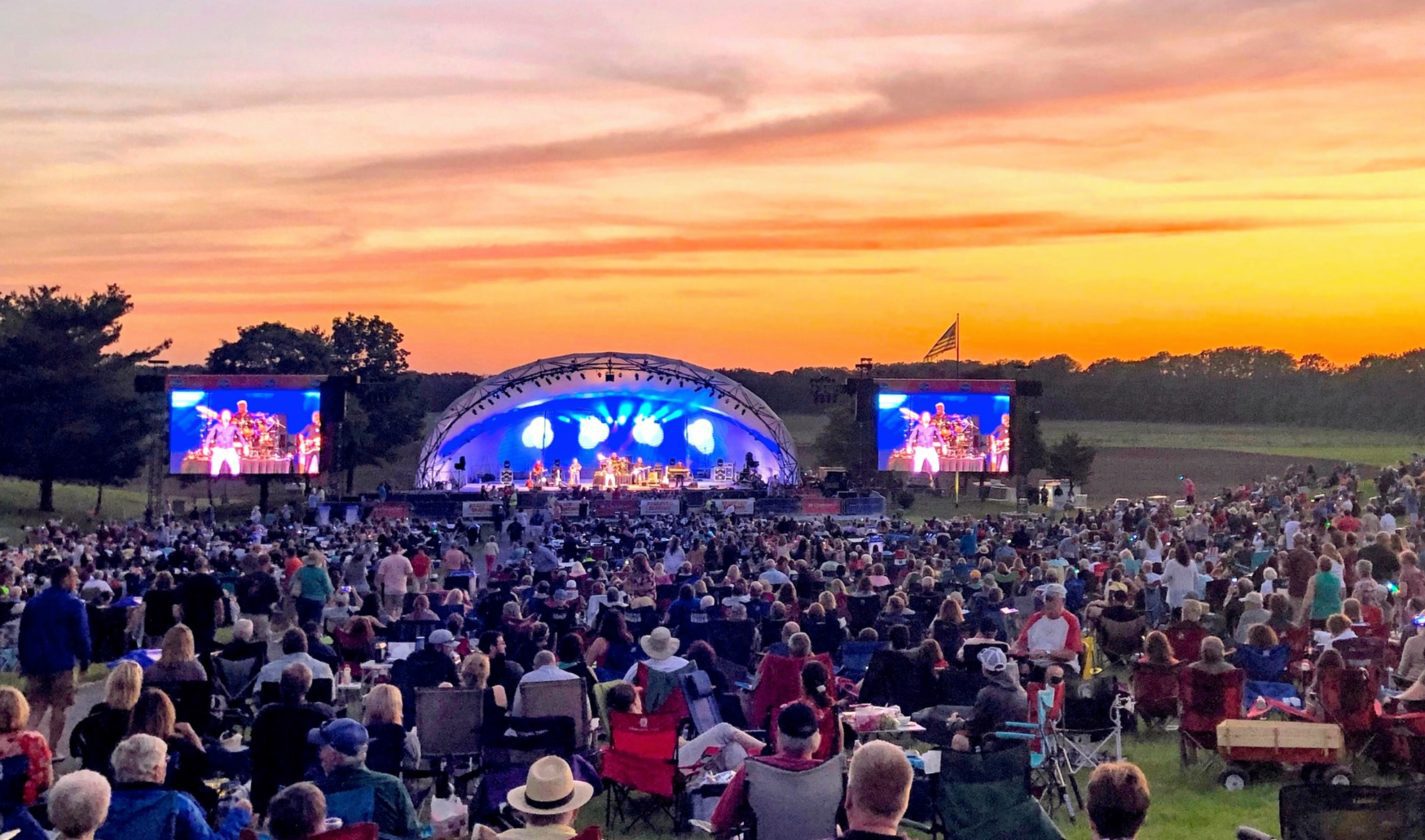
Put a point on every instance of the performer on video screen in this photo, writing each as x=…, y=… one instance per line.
x=999, y=446
x=222, y=444
x=924, y=443
x=574, y=470
x=309, y=445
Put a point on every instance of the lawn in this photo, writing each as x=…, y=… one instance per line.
x=1340, y=445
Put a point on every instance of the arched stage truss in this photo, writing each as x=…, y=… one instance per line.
x=613, y=401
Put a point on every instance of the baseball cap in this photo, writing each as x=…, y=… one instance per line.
x=344, y=735
x=441, y=637
x=1054, y=590
x=797, y=721
x=992, y=659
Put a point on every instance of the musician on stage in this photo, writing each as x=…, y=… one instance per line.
x=555, y=476
x=999, y=446
x=309, y=445
x=610, y=476
x=924, y=441
x=222, y=445
x=536, y=474
x=574, y=471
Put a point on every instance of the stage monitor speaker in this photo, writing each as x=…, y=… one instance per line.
x=1029, y=388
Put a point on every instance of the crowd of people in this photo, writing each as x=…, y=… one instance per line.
x=958, y=612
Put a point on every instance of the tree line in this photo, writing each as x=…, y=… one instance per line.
x=1224, y=385
x=71, y=414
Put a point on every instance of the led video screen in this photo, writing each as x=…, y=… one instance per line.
x=223, y=428
x=943, y=426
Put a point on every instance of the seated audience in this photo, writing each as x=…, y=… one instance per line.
x=341, y=754
x=1118, y=801
x=108, y=721
x=279, y=731
x=78, y=804
x=877, y=792
x=1001, y=700
x=392, y=746
x=140, y=806
x=294, y=651
x=298, y=812
x=797, y=741
x=177, y=661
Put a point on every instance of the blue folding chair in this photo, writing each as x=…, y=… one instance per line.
x=1051, y=772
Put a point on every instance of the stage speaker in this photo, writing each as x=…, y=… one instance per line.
x=1029, y=388
x=150, y=383
x=333, y=397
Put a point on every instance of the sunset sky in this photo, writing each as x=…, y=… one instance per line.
x=761, y=184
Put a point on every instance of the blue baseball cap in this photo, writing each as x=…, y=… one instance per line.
x=344, y=735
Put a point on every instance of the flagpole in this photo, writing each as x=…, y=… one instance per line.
x=959, y=339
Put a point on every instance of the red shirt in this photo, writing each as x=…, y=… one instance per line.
x=420, y=564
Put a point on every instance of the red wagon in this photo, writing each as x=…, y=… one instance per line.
x=1317, y=748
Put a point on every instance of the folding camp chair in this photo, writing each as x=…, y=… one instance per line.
x=1347, y=698
x=733, y=640
x=1328, y=812
x=794, y=805
x=1091, y=731
x=642, y=757
x=1121, y=641
x=779, y=680
x=856, y=658
x=234, y=682
x=1186, y=637
x=559, y=698
x=703, y=708
x=1206, y=699
x=1155, y=690
x=985, y=796
x=1051, y=769
x=864, y=610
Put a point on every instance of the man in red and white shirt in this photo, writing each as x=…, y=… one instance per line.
x=1052, y=635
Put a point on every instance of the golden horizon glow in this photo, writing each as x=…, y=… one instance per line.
x=741, y=185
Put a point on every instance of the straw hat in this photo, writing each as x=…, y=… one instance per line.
x=550, y=788
x=660, y=644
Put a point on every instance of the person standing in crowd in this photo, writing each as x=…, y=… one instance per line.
x=54, y=639
x=257, y=594
x=393, y=578
x=311, y=587
x=200, y=602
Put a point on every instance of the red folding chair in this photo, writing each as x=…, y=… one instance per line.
x=1186, y=637
x=1347, y=698
x=779, y=681
x=1205, y=700
x=642, y=757
x=1155, y=690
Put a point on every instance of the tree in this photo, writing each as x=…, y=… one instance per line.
x=389, y=412
x=1071, y=459
x=271, y=347
x=67, y=403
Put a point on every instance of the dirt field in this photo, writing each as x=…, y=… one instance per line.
x=1142, y=471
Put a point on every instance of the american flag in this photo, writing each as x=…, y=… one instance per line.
x=949, y=341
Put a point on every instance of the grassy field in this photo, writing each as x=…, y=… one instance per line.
x=1340, y=445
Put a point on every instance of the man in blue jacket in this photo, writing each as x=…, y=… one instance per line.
x=54, y=637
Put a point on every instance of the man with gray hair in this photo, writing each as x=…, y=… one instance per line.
x=355, y=794
x=142, y=807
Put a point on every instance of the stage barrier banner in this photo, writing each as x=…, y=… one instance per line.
x=872, y=505
x=820, y=506
x=610, y=508
x=566, y=507
x=659, y=507
x=477, y=510
x=777, y=506
x=391, y=510
x=730, y=507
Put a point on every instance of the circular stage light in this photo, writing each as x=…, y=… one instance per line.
x=538, y=434
x=699, y=435
x=592, y=432
x=647, y=431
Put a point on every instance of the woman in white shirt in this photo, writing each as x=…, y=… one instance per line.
x=1180, y=577
x=1152, y=546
